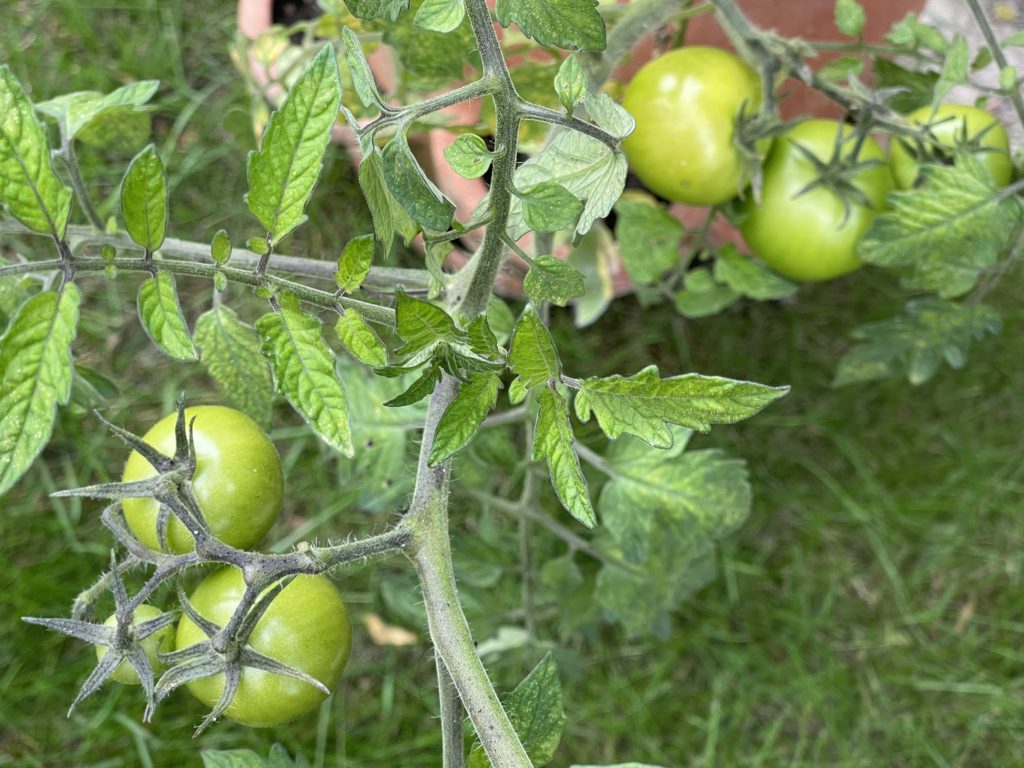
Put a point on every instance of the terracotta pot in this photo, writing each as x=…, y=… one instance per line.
x=809, y=19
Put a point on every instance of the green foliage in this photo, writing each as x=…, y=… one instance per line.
x=571, y=24
x=649, y=237
x=553, y=280
x=644, y=405
x=35, y=376
x=29, y=188
x=220, y=247
x=439, y=15
x=553, y=442
x=144, y=200
x=941, y=235
x=468, y=156
x=430, y=58
x=916, y=343
x=161, y=316
x=354, y=263
x=663, y=511
x=230, y=352
x=359, y=69
x=702, y=296
x=549, y=207
x=570, y=83
x=283, y=172
x=246, y=758
x=389, y=217
x=537, y=714
x=377, y=9
x=117, y=118
x=407, y=183
x=748, y=278
x=303, y=367
x=462, y=418
x=532, y=355
x=849, y=17
x=360, y=339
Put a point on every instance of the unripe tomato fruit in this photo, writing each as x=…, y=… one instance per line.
x=237, y=481
x=812, y=236
x=305, y=627
x=161, y=641
x=953, y=125
x=686, y=104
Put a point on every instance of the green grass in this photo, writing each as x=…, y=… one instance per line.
x=870, y=612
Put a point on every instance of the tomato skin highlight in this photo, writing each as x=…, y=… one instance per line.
x=686, y=104
x=160, y=641
x=812, y=236
x=950, y=124
x=306, y=627
x=238, y=480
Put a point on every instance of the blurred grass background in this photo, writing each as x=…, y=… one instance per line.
x=870, y=613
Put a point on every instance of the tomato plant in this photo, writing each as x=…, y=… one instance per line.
x=686, y=104
x=306, y=627
x=956, y=127
x=237, y=481
x=810, y=216
x=160, y=641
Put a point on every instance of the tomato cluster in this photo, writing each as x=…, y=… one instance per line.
x=822, y=183
x=238, y=485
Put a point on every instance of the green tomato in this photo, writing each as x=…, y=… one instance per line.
x=955, y=125
x=686, y=104
x=305, y=627
x=237, y=481
x=811, y=235
x=161, y=641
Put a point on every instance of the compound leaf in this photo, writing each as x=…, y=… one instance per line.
x=915, y=344
x=283, y=172
x=942, y=234
x=303, y=367
x=35, y=376
x=230, y=352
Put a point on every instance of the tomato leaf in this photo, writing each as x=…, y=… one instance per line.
x=419, y=389
x=537, y=714
x=954, y=69
x=649, y=237
x=421, y=325
x=570, y=83
x=144, y=199
x=916, y=343
x=303, y=367
x=220, y=248
x=230, y=352
x=940, y=235
x=849, y=16
x=354, y=263
x=29, y=188
x=584, y=166
x=463, y=416
x=533, y=356
x=554, y=280
x=232, y=758
x=553, y=443
x=35, y=376
x=570, y=24
x=389, y=217
x=361, y=340
x=98, y=118
x=644, y=404
x=162, y=318
x=664, y=509
x=703, y=295
x=439, y=15
x=431, y=59
x=595, y=257
x=359, y=69
x=549, y=207
x=748, y=278
x=468, y=156
x=412, y=189
x=368, y=10
x=283, y=172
